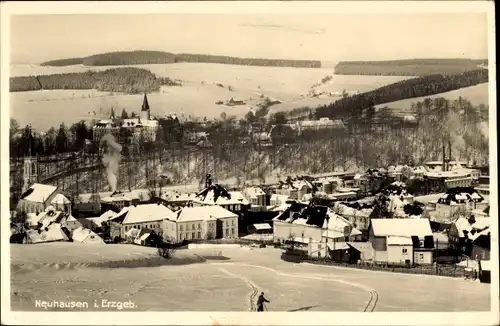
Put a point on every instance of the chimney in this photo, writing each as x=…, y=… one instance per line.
x=449, y=151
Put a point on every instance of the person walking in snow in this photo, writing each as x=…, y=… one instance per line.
x=260, y=302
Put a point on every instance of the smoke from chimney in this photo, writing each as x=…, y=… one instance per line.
x=111, y=158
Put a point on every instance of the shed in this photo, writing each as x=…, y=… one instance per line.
x=84, y=235
x=260, y=228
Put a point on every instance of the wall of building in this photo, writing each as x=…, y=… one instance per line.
x=480, y=252
x=156, y=226
x=283, y=230
x=229, y=227
x=423, y=257
x=170, y=231
x=192, y=230
x=399, y=254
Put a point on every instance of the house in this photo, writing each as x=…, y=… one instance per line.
x=457, y=201
x=52, y=233
x=295, y=189
x=118, y=200
x=359, y=217
x=61, y=203
x=276, y=200
x=36, y=198
x=177, y=199
x=439, y=181
x=233, y=201
x=481, y=245
x=256, y=196
x=401, y=241
x=201, y=222
x=143, y=127
x=87, y=236
x=303, y=224
x=260, y=228
x=70, y=223
x=464, y=230
x=149, y=216
x=147, y=237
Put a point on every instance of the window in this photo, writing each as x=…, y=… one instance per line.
x=320, y=247
x=405, y=251
x=232, y=222
x=232, y=231
x=193, y=235
x=180, y=228
x=227, y=223
x=199, y=226
x=421, y=256
x=199, y=235
x=227, y=233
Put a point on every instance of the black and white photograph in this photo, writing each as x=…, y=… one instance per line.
x=300, y=158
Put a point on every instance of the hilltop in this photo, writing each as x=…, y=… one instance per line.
x=410, y=67
x=159, y=57
x=126, y=79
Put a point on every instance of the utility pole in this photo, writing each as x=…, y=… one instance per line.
x=437, y=256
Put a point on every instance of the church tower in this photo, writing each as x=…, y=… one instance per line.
x=145, y=114
x=31, y=166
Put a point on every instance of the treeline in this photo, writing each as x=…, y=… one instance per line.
x=159, y=57
x=63, y=62
x=411, y=67
x=127, y=80
x=354, y=105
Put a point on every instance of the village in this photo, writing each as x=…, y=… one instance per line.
x=366, y=219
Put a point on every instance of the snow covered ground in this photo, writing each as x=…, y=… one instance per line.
x=225, y=285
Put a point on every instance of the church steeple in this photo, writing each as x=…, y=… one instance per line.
x=145, y=114
x=31, y=168
x=145, y=104
x=31, y=143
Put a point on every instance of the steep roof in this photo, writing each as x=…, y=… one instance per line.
x=60, y=199
x=145, y=104
x=80, y=234
x=148, y=213
x=402, y=227
x=38, y=193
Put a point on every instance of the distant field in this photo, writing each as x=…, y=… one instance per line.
x=477, y=94
x=197, y=96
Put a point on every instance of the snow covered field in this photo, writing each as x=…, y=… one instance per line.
x=225, y=285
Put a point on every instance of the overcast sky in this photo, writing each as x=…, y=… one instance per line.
x=329, y=37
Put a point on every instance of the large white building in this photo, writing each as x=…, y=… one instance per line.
x=142, y=128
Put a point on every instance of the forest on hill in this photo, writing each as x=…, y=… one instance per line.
x=352, y=107
x=159, y=57
x=411, y=67
x=125, y=80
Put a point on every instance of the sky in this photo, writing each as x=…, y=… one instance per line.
x=327, y=37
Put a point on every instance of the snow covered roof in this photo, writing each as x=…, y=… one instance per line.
x=254, y=191
x=133, y=122
x=174, y=196
x=337, y=245
x=401, y=227
x=60, y=199
x=53, y=233
x=38, y=193
x=262, y=226
x=203, y=213
x=80, y=234
x=236, y=198
x=126, y=196
x=350, y=211
x=50, y=216
x=397, y=240
x=462, y=224
x=148, y=213
x=132, y=233
x=279, y=197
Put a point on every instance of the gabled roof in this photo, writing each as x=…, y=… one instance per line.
x=148, y=213
x=80, y=234
x=60, y=199
x=462, y=224
x=402, y=227
x=38, y=193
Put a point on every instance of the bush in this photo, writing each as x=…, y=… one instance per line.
x=164, y=251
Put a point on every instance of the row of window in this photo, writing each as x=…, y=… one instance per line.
x=139, y=226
